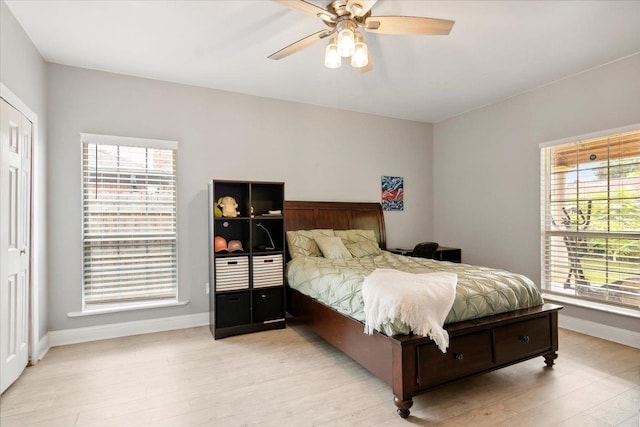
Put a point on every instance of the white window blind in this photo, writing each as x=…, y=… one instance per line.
x=591, y=219
x=129, y=219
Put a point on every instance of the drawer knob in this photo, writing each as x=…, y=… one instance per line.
x=459, y=356
x=524, y=338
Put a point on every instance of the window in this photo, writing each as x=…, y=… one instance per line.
x=591, y=218
x=129, y=220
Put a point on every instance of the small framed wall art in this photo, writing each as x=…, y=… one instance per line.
x=392, y=193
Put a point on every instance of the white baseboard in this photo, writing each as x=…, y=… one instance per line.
x=598, y=330
x=116, y=330
x=38, y=354
x=43, y=347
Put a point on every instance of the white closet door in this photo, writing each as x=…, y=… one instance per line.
x=15, y=214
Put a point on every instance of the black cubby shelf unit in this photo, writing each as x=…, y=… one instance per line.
x=246, y=287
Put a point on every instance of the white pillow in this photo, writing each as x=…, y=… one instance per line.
x=332, y=247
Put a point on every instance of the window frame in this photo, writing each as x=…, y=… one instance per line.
x=99, y=308
x=600, y=305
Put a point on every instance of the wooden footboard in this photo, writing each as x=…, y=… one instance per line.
x=413, y=364
x=475, y=346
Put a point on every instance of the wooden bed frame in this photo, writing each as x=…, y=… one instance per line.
x=413, y=364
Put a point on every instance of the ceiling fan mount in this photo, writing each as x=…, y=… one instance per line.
x=343, y=9
x=346, y=17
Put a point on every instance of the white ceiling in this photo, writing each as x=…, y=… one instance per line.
x=496, y=49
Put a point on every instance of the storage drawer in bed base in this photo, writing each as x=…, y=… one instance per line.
x=466, y=354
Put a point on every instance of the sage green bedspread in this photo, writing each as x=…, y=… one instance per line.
x=481, y=291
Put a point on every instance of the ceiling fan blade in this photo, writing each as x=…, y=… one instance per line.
x=407, y=25
x=308, y=8
x=301, y=44
x=360, y=7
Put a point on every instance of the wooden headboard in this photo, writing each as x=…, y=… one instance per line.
x=303, y=215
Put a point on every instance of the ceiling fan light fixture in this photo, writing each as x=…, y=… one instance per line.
x=360, y=56
x=331, y=57
x=346, y=41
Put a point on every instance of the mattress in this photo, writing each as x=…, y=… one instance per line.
x=481, y=291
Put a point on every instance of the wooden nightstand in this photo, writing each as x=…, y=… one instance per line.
x=443, y=253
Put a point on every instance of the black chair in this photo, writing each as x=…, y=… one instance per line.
x=425, y=250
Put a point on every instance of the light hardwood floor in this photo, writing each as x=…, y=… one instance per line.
x=292, y=378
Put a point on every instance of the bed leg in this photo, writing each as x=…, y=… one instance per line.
x=549, y=358
x=403, y=406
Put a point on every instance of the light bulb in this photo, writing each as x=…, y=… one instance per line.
x=360, y=56
x=331, y=57
x=346, y=42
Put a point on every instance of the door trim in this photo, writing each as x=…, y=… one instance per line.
x=37, y=215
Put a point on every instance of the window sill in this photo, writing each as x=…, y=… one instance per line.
x=592, y=305
x=125, y=307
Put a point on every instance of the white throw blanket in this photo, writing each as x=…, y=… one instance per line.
x=422, y=301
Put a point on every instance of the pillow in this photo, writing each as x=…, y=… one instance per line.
x=302, y=243
x=360, y=243
x=332, y=247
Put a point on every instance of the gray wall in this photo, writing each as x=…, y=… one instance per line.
x=23, y=72
x=320, y=153
x=486, y=166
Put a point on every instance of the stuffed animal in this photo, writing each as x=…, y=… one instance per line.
x=229, y=207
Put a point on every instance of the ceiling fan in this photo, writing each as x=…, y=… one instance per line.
x=344, y=18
